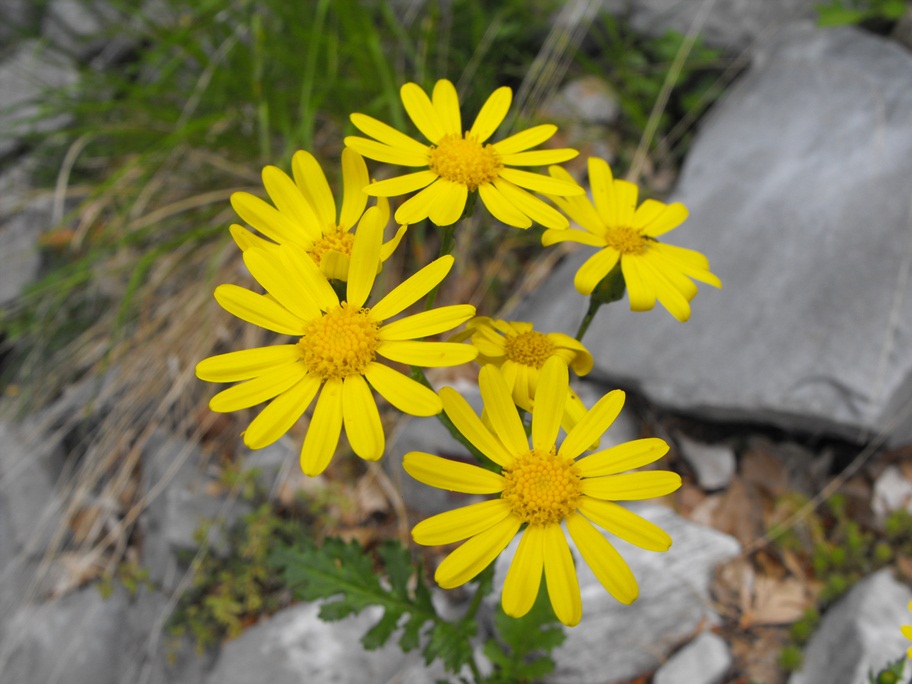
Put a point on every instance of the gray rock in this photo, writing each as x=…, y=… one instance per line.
x=713, y=464
x=76, y=26
x=76, y=640
x=860, y=633
x=296, y=647
x=892, y=492
x=730, y=24
x=798, y=187
x=674, y=602
x=587, y=100
x=25, y=76
x=176, y=485
x=705, y=660
x=18, y=18
x=20, y=259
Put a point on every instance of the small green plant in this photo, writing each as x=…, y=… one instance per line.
x=891, y=674
x=791, y=658
x=849, y=12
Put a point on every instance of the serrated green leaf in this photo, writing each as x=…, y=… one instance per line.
x=380, y=633
x=452, y=643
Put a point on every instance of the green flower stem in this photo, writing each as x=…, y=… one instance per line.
x=484, y=461
x=610, y=289
x=587, y=319
x=447, y=242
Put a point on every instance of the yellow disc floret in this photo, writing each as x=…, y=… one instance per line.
x=340, y=343
x=465, y=161
x=542, y=488
x=336, y=239
x=625, y=240
x=529, y=348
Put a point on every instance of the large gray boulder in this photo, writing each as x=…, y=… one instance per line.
x=798, y=186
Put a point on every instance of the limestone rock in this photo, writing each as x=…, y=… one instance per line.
x=705, y=660
x=892, y=492
x=713, y=464
x=860, y=633
x=25, y=76
x=798, y=187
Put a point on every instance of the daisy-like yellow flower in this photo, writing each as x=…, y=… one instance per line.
x=540, y=487
x=624, y=232
x=907, y=632
x=337, y=348
x=305, y=212
x=459, y=162
x=520, y=352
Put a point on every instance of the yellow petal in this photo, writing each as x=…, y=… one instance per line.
x=452, y=476
x=492, y=114
x=476, y=554
x=525, y=140
x=281, y=413
x=553, y=236
x=384, y=153
x=246, y=364
x=501, y=208
x=498, y=402
x=354, y=179
x=390, y=246
x=625, y=524
x=539, y=157
x=246, y=239
x=640, y=289
x=673, y=290
x=450, y=203
x=259, y=389
x=582, y=360
x=594, y=269
x=266, y=267
x=623, y=457
x=310, y=280
x=524, y=576
x=419, y=207
x=655, y=220
x=362, y=419
x=407, y=395
x=471, y=427
x=259, y=310
x=421, y=111
x=462, y=523
x=427, y=323
x=605, y=562
x=593, y=425
x=427, y=354
x=446, y=104
x=311, y=180
x=324, y=430
x=625, y=194
x=632, y=486
x=365, y=258
x=265, y=218
x=560, y=574
x=538, y=182
x=602, y=183
x=335, y=265
x=388, y=135
x=402, y=185
x=289, y=200
x=550, y=399
x=488, y=341
x=531, y=206
x=412, y=289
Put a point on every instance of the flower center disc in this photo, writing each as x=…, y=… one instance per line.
x=336, y=239
x=465, y=161
x=529, y=348
x=341, y=343
x=542, y=488
x=625, y=240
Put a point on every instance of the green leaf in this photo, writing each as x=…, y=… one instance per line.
x=452, y=643
x=523, y=650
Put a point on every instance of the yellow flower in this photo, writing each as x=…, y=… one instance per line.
x=541, y=487
x=520, y=352
x=305, y=212
x=907, y=632
x=459, y=163
x=336, y=353
x=652, y=270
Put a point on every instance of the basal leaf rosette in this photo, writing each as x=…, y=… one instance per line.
x=339, y=351
x=541, y=488
x=623, y=232
x=520, y=352
x=457, y=162
x=305, y=212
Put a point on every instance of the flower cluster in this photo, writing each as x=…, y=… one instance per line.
x=341, y=343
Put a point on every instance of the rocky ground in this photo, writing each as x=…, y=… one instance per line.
x=791, y=384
